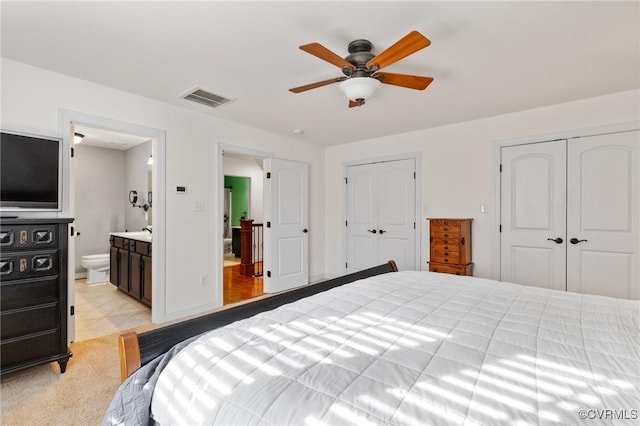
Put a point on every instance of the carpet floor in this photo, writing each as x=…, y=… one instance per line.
x=80, y=396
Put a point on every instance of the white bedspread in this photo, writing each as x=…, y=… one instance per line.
x=414, y=348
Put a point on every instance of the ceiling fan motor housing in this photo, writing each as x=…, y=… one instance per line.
x=359, y=55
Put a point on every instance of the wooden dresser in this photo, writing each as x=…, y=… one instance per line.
x=450, y=246
x=33, y=293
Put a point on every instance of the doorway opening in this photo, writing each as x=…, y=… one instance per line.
x=107, y=165
x=243, y=224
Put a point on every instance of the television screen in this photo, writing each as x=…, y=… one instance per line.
x=30, y=172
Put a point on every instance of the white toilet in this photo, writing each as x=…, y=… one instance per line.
x=97, y=266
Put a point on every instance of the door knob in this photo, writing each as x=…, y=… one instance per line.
x=576, y=241
x=556, y=240
x=305, y=230
x=373, y=231
x=382, y=231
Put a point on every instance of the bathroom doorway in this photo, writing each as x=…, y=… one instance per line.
x=242, y=207
x=108, y=165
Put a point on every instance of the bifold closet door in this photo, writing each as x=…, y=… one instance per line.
x=604, y=215
x=381, y=214
x=533, y=215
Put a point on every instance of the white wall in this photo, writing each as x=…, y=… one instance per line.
x=31, y=101
x=249, y=167
x=100, y=201
x=457, y=173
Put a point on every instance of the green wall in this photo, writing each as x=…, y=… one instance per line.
x=240, y=193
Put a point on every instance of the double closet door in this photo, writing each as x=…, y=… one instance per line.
x=570, y=214
x=381, y=214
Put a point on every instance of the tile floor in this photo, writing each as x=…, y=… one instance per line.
x=101, y=309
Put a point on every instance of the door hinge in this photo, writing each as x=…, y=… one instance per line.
x=72, y=310
x=72, y=231
x=268, y=224
x=500, y=168
x=269, y=274
x=414, y=225
x=346, y=181
x=346, y=223
x=346, y=265
x=72, y=152
x=268, y=175
x=500, y=229
x=414, y=175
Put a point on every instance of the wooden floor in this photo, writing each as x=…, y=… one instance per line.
x=238, y=287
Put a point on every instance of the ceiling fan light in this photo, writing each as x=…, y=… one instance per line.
x=356, y=88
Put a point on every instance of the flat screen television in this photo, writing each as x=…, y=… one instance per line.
x=30, y=172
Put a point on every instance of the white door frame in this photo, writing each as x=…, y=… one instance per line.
x=66, y=120
x=497, y=147
x=217, y=224
x=417, y=157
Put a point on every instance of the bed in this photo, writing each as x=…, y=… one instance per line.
x=388, y=347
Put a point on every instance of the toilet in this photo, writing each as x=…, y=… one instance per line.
x=97, y=266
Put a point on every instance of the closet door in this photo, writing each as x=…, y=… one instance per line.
x=603, y=215
x=362, y=217
x=396, y=213
x=381, y=214
x=533, y=214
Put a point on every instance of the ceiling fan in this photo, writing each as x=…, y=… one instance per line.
x=361, y=68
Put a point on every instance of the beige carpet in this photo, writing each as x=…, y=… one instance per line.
x=41, y=395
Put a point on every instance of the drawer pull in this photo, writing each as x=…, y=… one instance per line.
x=42, y=263
x=6, y=238
x=6, y=267
x=42, y=236
x=446, y=229
x=446, y=247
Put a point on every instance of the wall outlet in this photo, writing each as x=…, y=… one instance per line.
x=203, y=280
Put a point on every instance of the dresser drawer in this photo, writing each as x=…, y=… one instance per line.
x=20, y=293
x=29, y=320
x=13, y=237
x=451, y=269
x=31, y=347
x=28, y=264
x=442, y=256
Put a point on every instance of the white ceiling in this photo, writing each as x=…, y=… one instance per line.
x=109, y=139
x=487, y=58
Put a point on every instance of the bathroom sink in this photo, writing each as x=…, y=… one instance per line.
x=139, y=235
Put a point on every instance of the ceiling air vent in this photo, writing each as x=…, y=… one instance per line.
x=206, y=98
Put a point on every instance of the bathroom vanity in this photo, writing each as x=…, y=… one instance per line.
x=130, y=264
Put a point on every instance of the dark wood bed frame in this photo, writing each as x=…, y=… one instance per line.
x=137, y=350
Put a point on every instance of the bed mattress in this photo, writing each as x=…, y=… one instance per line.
x=417, y=348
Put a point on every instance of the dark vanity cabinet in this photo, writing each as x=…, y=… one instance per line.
x=33, y=293
x=130, y=267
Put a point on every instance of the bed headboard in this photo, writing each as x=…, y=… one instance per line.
x=137, y=350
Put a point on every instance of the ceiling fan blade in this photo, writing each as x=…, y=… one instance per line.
x=404, y=47
x=356, y=103
x=410, y=81
x=319, y=51
x=317, y=84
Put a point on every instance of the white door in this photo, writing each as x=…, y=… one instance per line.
x=286, y=263
x=603, y=207
x=381, y=214
x=584, y=191
x=533, y=214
